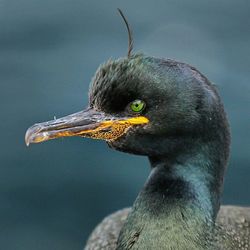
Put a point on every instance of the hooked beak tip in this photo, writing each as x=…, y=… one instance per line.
x=32, y=135
x=28, y=136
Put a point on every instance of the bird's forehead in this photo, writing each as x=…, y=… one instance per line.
x=121, y=76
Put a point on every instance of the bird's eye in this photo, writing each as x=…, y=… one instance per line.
x=137, y=106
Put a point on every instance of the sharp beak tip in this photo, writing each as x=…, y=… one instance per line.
x=27, y=137
x=31, y=135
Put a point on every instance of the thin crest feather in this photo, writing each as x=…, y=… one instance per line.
x=130, y=37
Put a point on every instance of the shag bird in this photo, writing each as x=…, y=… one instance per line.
x=171, y=113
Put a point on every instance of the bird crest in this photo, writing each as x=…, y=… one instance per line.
x=130, y=36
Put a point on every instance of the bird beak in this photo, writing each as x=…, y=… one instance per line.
x=87, y=123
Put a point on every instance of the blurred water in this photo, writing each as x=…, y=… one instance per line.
x=53, y=194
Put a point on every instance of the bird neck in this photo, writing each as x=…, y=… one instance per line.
x=178, y=204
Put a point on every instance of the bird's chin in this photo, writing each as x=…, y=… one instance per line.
x=132, y=141
x=126, y=144
x=124, y=149
x=118, y=144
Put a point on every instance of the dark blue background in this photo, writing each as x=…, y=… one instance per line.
x=53, y=194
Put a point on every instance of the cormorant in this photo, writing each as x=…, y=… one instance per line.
x=171, y=113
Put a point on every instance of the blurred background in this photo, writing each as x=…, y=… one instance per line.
x=53, y=194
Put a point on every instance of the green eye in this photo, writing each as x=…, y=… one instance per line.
x=137, y=106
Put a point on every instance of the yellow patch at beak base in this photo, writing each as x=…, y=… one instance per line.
x=113, y=129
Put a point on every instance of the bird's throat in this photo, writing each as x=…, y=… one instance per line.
x=176, y=208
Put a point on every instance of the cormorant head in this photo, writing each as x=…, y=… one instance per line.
x=144, y=105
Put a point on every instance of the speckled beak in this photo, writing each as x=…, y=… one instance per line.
x=87, y=123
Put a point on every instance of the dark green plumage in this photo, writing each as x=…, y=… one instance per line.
x=187, y=142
